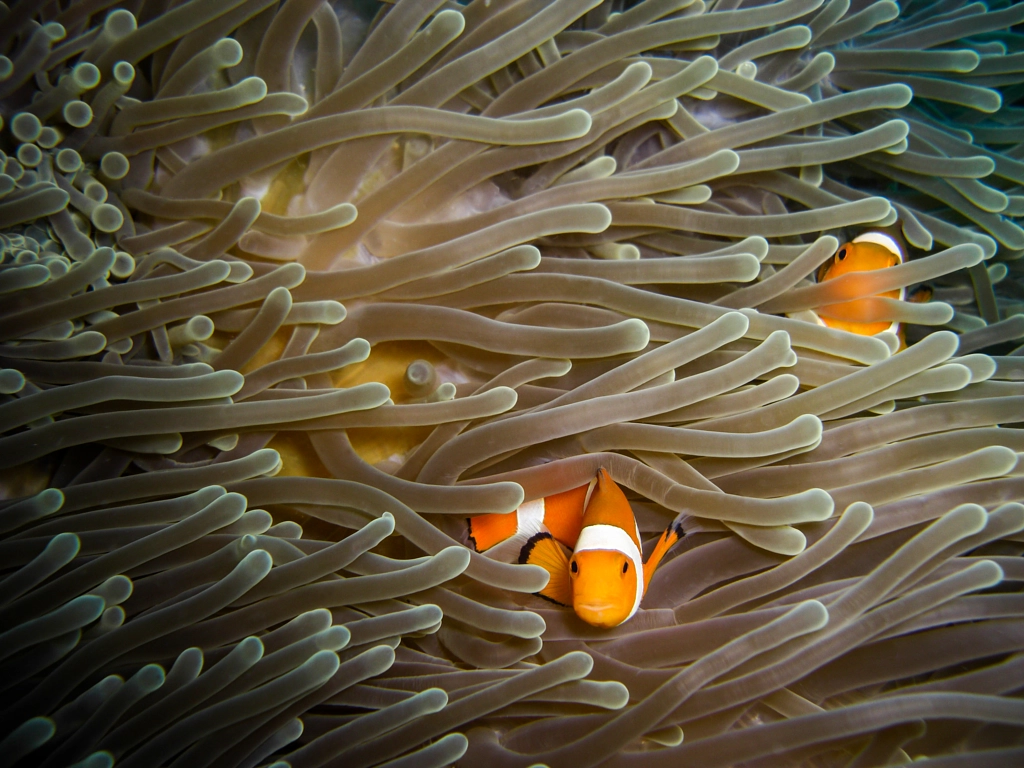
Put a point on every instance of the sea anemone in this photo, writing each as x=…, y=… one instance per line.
x=290, y=289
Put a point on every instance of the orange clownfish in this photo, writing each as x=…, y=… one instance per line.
x=872, y=250
x=603, y=577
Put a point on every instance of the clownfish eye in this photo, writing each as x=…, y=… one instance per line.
x=573, y=567
x=842, y=254
x=625, y=567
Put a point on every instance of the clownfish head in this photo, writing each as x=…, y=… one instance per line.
x=872, y=250
x=606, y=569
x=604, y=586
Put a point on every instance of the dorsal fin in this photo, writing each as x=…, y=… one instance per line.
x=563, y=514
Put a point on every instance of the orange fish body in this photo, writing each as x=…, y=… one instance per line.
x=603, y=577
x=870, y=251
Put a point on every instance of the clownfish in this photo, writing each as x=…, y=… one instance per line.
x=587, y=540
x=872, y=250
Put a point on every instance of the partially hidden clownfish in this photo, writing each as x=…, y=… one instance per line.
x=872, y=250
x=587, y=540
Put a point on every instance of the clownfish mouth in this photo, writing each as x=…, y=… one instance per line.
x=599, y=614
x=594, y=607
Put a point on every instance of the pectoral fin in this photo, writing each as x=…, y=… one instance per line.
x=671, y=535
x=543, y=550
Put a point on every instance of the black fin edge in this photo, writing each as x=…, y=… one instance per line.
x=469, y=538
x=820, y=274
x=524, y=556
x=524, y=553
x=551, y=600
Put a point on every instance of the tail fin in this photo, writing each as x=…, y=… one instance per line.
x=543, y=550
x=671, y=535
